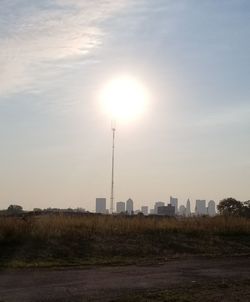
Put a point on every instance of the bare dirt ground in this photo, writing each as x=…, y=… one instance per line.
x=116, y=283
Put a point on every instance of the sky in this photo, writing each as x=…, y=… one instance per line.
x=192, y=56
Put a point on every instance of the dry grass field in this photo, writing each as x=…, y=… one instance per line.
x=54, y=240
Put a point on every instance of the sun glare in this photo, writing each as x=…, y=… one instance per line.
x=124, y=98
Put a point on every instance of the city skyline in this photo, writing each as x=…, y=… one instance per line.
x=102, y=205
x=193, y=138
x=202, y=207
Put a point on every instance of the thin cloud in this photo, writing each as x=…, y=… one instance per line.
x=34, y=37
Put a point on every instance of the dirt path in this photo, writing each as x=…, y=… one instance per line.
x=107, y=283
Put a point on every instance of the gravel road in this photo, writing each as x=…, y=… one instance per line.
x=108, y=283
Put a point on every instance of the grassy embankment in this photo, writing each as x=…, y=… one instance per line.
x=93, y=239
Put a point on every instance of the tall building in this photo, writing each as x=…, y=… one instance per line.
x=188, y=208
x=100, y=205
x=200, y=207
x=174, y=203
x=144, y=210
x=129, y=206
x=152, y=211
x=182, y=210
x=158, y=204
x=168, y=210
x=120, y=207
x=211, y=208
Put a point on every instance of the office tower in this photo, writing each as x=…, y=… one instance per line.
x=100, y=205
x=152, y=211
x=129, y=206
x=211, y=208
x=188, y=208
x=200, y=207
x=158, y=204
x=120, y=207
x=182, y=210
x=168, y=210
x=174, y=202
x=144, y=210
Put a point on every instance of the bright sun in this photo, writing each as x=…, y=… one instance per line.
x=124, y=98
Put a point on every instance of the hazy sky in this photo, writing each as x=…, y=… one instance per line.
x=194, y=141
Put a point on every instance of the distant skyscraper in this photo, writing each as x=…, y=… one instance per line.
x=174, y=202
x=200, y=208
x=100, y=205
x=129, y=206
x=211, y=208
x=120, y=207
x=168, y=210
x=188, y=208
x=152, y=211
x=182, y=210
x=144, y=210
x=158, y=204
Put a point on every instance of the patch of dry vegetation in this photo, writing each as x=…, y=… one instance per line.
x=60, y=239
x=224, y=291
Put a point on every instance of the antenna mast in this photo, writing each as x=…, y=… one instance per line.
x=113, y=128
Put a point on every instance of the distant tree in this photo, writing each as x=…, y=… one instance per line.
x=230, y=206
x=37, y=210
x=246, y=209
x=80, y=210
x=14, y=209
x=247, y=204
x=140, y=214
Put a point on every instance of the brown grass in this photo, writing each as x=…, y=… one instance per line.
x=93, y=238
x=116, y=225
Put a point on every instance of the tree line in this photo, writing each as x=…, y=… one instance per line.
x=232, y=207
